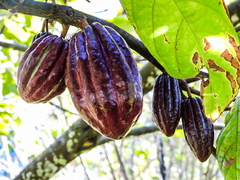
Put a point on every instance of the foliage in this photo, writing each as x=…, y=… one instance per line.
x=228, y=144
x=184, y=40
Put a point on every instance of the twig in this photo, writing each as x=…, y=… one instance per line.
x=132, y=158
x=184, y=83
x=62, y=108
x=191, y=80
x=109, y=163
x=84, y=168
x=120, y=162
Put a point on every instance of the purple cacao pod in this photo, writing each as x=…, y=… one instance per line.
x=103, y=80
x=36, y=36
x=41, y=70
x=166, y=104
x=198, y=129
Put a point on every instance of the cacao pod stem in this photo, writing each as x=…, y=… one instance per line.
x=64, y=31
x=82, y=23
x=184, y=83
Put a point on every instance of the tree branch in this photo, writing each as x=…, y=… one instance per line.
x=68, y=16
x=78, y=138
x=71, y=144
x=14, y=45
x=9, y=4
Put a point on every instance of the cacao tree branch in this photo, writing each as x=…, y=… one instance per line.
x=148, y=71
x=9, y=4
x=71, y=144
x=68, y=16
x=2, y=7
x=14, y=45
x=78, y=138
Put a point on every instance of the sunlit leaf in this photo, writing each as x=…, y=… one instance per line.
x=228, y=144
x=179, y=133
x=13, y=29
x=185, y=36
x=122, y=22
x=9, y=85
x=4, y=125
x=28, y=20
x=2, y=132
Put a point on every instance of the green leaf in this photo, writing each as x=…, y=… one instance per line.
x=9, y=86
x=28, y=20
x=121, y=21
x=15, y=31
x=186, y=36
x=228, y=144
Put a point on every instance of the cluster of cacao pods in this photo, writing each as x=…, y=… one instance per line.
x=168, y=108
x=99, y=71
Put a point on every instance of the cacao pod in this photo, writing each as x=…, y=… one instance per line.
x=41, y=70
x=103, y=80
x=166, y=104
x=198, y=129
x=38, y=36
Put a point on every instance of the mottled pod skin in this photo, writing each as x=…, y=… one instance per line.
x=103, y=80
x=41, y=70
x=166, y=104
x=198, y=129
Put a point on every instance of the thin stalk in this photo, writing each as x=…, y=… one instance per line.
x=184, y=83
x=120, y=161
x=109, y=163
x=84, y=168
x=64, y=31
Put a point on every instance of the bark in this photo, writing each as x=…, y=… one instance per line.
x=77, y=139
x=68, y=16
x=14, y=45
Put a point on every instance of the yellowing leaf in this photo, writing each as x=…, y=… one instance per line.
x=186, y=36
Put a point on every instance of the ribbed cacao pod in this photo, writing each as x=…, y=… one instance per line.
x=166, y=104
x=103, y=80
x=41, y=71
x=36, y=36
x=198, y=129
